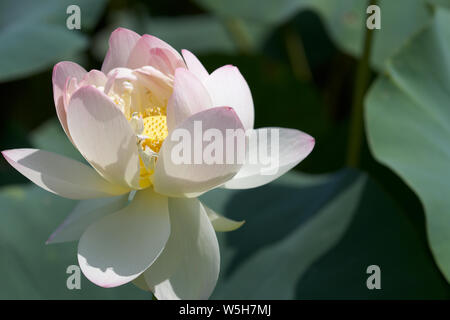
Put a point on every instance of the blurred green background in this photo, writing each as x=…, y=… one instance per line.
x=312, y=233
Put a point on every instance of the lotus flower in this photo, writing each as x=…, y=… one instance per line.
x=139, y=219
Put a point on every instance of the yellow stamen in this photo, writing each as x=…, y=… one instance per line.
x=147, y=116
x=155, y=128
x=155, y=131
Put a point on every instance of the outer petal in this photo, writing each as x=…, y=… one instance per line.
x=294, y=146
x=61, y=72
x=121, y=42
x=189, y=180
x=63, y=176
x=189, y=266
x=221, y=223
x=189, y=97
x=151, y=51
x=72, y=85
x=120, y=246
x=194, y=65
x=83, y=215
x=103, y=136
x=227, y=87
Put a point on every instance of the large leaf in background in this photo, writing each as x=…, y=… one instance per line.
x=33, y=34
x=311, y=237
x=31, y=269
x=270, y=12
x=408, y=126
x=191, y=32
x=344, y=20
x=442, y=3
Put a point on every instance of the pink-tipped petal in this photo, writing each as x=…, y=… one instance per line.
x=164, y=60
x=151, y=51
x=184, y=168
x=227, y=87
x=61, y=72
x=265, y=164
x=71, y=86
x=194, y=65
x=103, y=136
x=121, y=43
x=60, y=175
x=189, y=97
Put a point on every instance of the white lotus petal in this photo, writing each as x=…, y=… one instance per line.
x=83, y=215
x=151, y=51
x=103, y=136
x=177, y=179
x=119, y=247
x=163, y=60
x=72, y=85
x=61, y=73
x=227, y=87
x=189, y=97
x=221, y=223
x=194, y=65
x=294, y=146
x=189, y=266
x=63, y=176
x=121, y=42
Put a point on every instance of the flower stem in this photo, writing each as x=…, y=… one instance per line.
x=296, y=54
x=239, y=34
x=356, y=132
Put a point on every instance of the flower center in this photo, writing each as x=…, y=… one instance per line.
x=151, y=130
x=147, y=116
